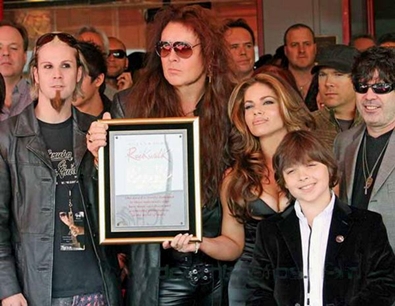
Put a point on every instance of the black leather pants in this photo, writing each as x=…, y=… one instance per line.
x=178, y=287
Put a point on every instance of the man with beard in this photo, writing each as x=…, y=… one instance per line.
x=300, y=50
x=49, y=250
x=117, y=63
x=366, y=153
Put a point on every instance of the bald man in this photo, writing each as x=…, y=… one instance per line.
x=117, y=63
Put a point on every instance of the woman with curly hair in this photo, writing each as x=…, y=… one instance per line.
x=187, y=74
x=262, y=111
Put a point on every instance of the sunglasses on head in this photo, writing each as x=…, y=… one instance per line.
x=64, y=37
x=377, y=88
x=118, y=53
x=182, y=49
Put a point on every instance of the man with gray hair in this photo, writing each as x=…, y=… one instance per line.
x=94, y=35
x=99, y=38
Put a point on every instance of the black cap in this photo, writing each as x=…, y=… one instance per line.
x=339, y=57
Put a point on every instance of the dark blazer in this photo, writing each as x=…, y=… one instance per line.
x=359, y=269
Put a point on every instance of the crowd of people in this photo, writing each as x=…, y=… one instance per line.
x=296, y=162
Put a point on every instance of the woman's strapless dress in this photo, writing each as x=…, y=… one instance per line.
x=238, y=291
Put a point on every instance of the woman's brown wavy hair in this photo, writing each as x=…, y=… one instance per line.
x=244, y=181
x=153, y=96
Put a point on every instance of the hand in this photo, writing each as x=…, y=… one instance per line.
x=14, y=300
x=97, y=136
x=124, y=81
x=76, y=230
x=181, y=243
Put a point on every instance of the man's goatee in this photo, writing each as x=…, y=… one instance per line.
x=57, y=102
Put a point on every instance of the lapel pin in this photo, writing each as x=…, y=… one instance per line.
x=339, y=239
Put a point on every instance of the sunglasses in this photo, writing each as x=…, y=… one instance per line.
x=182, y=49
x=378, y=88
x=64, y=37
x=118, y=53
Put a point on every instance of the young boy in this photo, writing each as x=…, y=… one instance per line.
x=319, y=251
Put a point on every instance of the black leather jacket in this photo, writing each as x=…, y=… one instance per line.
x=144, y=259
x=27, y=202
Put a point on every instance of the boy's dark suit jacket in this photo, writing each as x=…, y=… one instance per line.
x=360, y=263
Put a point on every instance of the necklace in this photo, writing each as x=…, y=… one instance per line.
x=367, y=174
x=302, y=86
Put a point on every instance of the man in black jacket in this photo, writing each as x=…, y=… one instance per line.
x=319, y=251
x=49, y=251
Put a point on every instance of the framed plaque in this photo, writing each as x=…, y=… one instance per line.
x=149, y=180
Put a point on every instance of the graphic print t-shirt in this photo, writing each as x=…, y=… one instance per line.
x=75, y=269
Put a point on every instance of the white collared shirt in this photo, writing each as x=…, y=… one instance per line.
x=314, y=243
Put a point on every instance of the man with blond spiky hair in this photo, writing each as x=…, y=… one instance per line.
x=49, y=251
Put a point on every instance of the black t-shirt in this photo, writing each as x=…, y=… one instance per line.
x=374, y=147
x=75, y=268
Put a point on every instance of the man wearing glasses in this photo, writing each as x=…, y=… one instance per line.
x=117, y=62
x=49, y=249
x=366, y=153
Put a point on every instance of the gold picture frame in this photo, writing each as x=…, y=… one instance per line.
x=149, y=180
